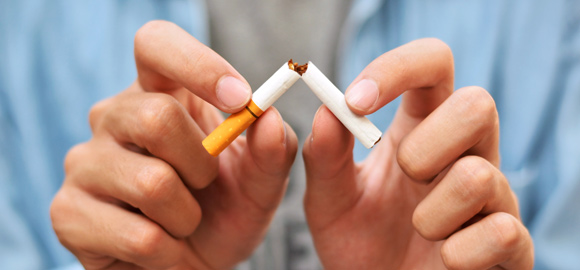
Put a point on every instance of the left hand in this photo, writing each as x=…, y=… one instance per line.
x=431, y=194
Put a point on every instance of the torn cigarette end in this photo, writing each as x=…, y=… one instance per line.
x=300, y=69
x=262, y=99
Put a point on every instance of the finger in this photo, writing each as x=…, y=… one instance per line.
x=204, y=114
x=497, y=240
x=331, y=185
x=146, y=183
x=93, y=229
x=159, y=124
x=168, y=57
x=259, y=170
x=272, y=145
x=425, y=67
x=471, y=187
x=465, y=124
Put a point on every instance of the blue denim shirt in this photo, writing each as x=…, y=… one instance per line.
x=59, y=57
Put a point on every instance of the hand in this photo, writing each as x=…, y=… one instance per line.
x=144, y=193
x=430, y=195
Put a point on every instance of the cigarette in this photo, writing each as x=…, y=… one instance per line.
x=360, y=126
x=262, y=99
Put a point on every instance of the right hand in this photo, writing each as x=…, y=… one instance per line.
x=144, y=193
x=431, y=194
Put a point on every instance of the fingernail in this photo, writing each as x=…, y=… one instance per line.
x=285, y=136
x=314, y=123
x=232, y=92
x=363, y=95
x=285, y=142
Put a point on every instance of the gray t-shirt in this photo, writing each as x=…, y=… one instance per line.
x=256, y=37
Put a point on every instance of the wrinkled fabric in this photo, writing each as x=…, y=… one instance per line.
x=59, y=57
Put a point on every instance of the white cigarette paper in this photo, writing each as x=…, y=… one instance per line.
x=275, y=87
x=262, y=99
x=361, y=127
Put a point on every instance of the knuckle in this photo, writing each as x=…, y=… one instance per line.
x=423, y=226
x=60, y=214
x=441, y=47
x=480, y=105
x=482, y=101
x=476, y=179
x=158, y=116
x=74, y=155
x=57, y=207
x=507, y=231
x=97, y=112
x=435, y=43
x=413, y=166
x=144, y=241
x=451, y=256
x=154, y=182
x=443, y=53
x=149, y=31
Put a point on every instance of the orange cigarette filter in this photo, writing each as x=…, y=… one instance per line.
x=262, y=99
x=230, y=129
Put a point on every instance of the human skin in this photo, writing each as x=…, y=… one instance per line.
x=144, y=193
x=430, y=195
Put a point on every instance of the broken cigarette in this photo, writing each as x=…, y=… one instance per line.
x=361, y=127
x=262, y=99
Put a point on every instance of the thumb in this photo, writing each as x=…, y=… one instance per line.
x=254, y=178
x=332, y=187
x=270, y=153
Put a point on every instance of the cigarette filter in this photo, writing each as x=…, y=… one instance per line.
x=262, y=99
x=361, y=127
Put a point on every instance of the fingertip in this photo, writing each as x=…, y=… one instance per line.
x=271, y=142
x=329, y=134
x=291, y=140
x=232, y=93
x=362, y=97
x=266, y=161
x=329, y=140
x=331, y=183
x=269, y=127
